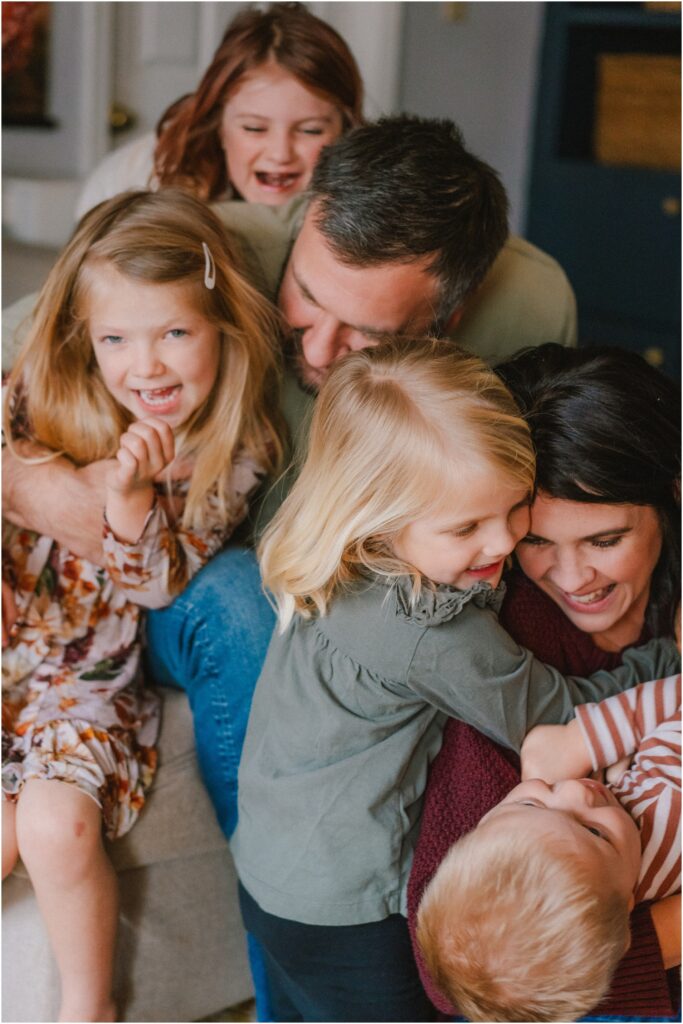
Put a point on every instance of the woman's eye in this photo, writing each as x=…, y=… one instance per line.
x=465, y=531
x=610, y=543
x=177, y=332
x=112, y=339
x=252, y=128
x=312, y=131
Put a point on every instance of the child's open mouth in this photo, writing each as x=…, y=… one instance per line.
x=281, y=182
x=160, y=399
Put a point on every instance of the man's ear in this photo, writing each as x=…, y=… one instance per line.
x=453, y=320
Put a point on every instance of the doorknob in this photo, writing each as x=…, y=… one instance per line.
x=121, y=119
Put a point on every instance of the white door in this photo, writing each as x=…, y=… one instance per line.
x=162, y=50
x=141, y=56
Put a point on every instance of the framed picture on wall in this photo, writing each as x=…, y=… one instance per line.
x=25, y=57
x=56, y=60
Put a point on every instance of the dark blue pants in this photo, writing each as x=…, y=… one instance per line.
x=349, y=973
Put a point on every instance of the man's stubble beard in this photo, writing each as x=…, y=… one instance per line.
x=308, y=379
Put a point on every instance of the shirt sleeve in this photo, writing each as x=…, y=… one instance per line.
x=615, y=727
x=471, y=669
x=129, y=167
x=525, y=299
x=154, y=569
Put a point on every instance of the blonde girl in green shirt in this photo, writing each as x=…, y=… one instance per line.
x=385, y=564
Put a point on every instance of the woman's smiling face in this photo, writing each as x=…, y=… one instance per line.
x=595, y=561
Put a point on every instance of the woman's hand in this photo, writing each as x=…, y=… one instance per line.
x=555, y=752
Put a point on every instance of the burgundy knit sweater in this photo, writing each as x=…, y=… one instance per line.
x=471, y=774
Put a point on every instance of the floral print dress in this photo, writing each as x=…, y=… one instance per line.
x=75, y=707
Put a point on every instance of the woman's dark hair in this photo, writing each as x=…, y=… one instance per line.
x=606, y=427
x=189, y=153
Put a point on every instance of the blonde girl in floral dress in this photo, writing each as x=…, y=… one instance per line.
x=149, y=350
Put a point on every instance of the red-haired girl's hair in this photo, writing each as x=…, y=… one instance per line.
x=189, y=152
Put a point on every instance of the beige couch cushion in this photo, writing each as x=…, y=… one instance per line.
x=181, y=947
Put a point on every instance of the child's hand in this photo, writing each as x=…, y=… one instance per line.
x=615, y=771
x=145, y=450
x=555, y=752
x=147, y=447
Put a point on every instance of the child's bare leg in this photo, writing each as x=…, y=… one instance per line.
x=59, y=835
x=9, y=837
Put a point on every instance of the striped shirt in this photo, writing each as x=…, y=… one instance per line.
x=646, y=722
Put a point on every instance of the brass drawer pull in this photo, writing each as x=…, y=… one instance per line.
x=654, y=355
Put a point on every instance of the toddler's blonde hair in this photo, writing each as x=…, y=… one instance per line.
x=395, y=429
x=57, y=384
x=513, y=929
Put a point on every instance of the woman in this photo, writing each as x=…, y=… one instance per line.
x=281, y=85
x=598, y=571
x=604, y=544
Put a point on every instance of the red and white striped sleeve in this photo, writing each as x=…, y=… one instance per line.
x=615, y=727
x=646, y=722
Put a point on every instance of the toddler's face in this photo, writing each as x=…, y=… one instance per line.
x=158, y=356
x=587, y=816
x=469, y=539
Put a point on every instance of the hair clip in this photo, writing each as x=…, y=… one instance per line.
x=209, y=269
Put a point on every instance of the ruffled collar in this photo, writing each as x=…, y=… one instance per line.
x=441, y=602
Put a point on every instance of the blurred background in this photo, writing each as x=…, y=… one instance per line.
x=577, y=105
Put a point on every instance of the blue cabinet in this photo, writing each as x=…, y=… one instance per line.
x=615, y=227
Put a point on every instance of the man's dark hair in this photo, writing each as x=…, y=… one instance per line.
x=404, y=188
x=606, y=427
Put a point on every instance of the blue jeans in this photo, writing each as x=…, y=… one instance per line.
x=211, y=643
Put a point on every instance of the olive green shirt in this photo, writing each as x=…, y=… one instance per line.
x=348, y=715
x=524, y=300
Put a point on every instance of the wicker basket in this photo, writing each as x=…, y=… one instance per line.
x=638, y=115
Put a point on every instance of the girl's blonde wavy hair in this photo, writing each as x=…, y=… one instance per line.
x=396, y=429
x=58, y=387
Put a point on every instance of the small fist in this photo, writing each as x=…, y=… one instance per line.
x=147, y=448
x=555, y=752
x=615, y=771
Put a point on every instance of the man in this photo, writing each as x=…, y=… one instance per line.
x=405, y=233
x=403, y=227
